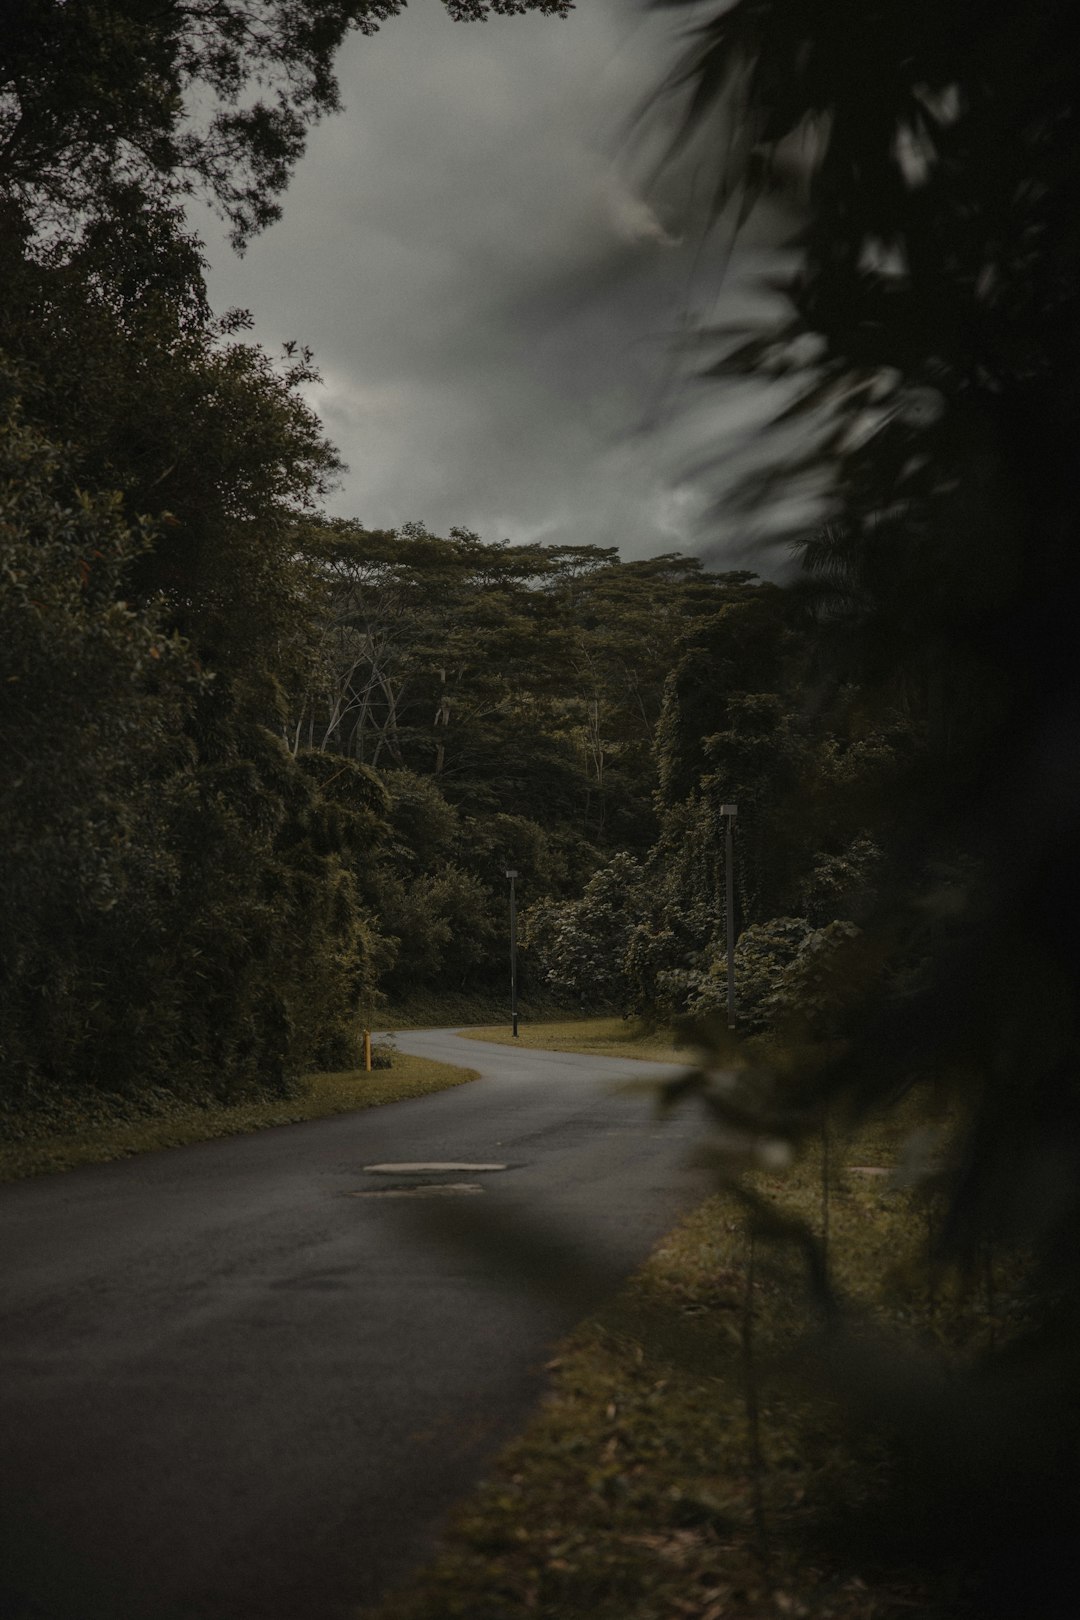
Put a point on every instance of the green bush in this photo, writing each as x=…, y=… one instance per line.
x=763, y=954
x=578, y=948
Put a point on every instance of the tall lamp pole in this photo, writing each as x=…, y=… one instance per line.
x=511, y=874
x=729, y=812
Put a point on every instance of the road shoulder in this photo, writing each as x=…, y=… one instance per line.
x=29, y=1151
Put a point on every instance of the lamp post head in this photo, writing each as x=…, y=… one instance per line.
x=729, y=810
x=511, y=873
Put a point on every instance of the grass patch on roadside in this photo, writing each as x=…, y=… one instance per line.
x=638, y=1491
x=95, y=1140
x=602, y=1037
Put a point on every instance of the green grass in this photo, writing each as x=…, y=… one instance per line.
x=603, y=1037
x=96, y=1140
x=637, y=1491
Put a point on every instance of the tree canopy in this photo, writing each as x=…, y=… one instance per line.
x=214, y=96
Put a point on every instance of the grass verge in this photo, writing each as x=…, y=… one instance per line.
x=684, y=1464
x=603, y=1037
x=95, y=1141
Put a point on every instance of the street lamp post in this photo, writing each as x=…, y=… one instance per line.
x=729, y=812
x=511, y=874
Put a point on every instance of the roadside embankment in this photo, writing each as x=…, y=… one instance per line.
x=29, y=1148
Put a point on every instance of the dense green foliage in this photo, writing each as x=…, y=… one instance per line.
x=507, y=697
x=749, y=715
x=179, y=909
x=189, y=902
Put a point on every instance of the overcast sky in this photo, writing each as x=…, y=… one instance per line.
x=492, y=289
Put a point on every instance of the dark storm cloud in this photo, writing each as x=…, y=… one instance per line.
x=489, y=291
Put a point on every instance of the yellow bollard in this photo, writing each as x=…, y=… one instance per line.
x=367, y=1051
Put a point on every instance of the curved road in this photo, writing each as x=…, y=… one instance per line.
x=238, y=1381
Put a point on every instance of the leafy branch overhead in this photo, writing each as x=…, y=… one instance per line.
x=926, y=165
x=209, y=96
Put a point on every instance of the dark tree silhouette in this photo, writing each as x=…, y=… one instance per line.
x=929, y=154
x=213, y=95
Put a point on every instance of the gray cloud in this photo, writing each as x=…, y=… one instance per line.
x=491, y=291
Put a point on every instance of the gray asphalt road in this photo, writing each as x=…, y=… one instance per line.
x=232, y=1389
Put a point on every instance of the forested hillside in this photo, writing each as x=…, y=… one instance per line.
x=505, y=698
